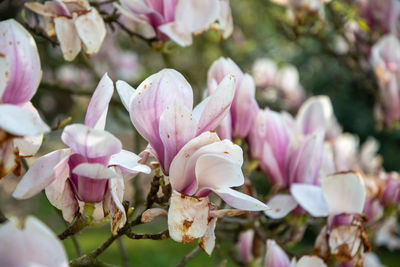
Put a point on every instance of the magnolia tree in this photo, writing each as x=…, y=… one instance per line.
x=269, y=167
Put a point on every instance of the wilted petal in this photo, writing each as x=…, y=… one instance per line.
x=345, y=241
x=91, y=143
x=275, y=256
x=344, y=193
x=225, y=21
x=28, y=146
x=177, y=127
x=68, y=37
x=308, y=261
x=128, y=162
x=180, y=165
x=280, y=206
x=40, y=9
x=91, y=30
x=41, y=173
x=310, y=198
x=187, y=217
x=239, y=200
x=150, y=214
x=20, y=70
x=210, y=112
x=125, y=92
x=35, y=245
x=8, y=158
x=207, y=241
x=151, y=99
x=118, y=215
x=19, y=121
x=97, y=110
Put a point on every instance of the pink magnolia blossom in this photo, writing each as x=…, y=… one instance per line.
x=21, y=129
x=342, y=197
x=32, y=245
x=176, y=19
x=385, y=59
x=75, y=23
x=161, y=109
x=90, y=170
x=204, y=165
x=276, y=257
x=244, y=107
x=245, y=246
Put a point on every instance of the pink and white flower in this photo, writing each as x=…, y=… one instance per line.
x=205, y=165
x=299, y=8
x=32, y=245
x=177, y=20
x=75, y=23
x=21, y=128
x=244, y=106
x=90, y=170
x=161, y=109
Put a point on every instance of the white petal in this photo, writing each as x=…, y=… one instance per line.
x=177, y=34
x=280, y=206
x=68, y=37
x=239, y=200
x=94, y=171
x=207, y=241
x=19, y=121
x=91, y=30
x=310, y=198
x=125, y=92
x=128, y=162
x=344, y=193
x=310, y=261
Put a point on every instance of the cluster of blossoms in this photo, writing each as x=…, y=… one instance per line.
x=314, y=169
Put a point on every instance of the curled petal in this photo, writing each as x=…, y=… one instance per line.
x=68, y=36
x=97, y=110
x=150, y=214
x=280, y=206
x=275, y=256
x=310, y=198
x=19, y=121
x=20, y=70
x=187, y=217
x=128, y=162
x=89, y=142
x=42, y=172
x=118, y=215
x=239, y=200
x=91, y=30
x=351, y=198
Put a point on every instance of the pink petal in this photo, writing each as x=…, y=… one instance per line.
x=151, y=99
x=211, y=111
x=270, y=165
x=97, y=110
x=41, y=173
x=128, y=162
x=91, y=30
x=275, y=256
x=35, y=245
x=344, y=193
x=280, y=206
x=19, y=121
x=179, y=170
x=20, y=69
x=220, y=69
x=68, y=36
x=89, y=142
x=239, y=200
x=224, y=129
x=177, y=127
x=175, y=32
x=245, y=246
x=310, y=198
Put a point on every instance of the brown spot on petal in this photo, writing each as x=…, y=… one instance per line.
x=2, y=55
x=187, y=239
x=343, y=253
x=187, y=224
x=6, y=74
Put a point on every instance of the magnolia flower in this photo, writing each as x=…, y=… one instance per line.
x=264, y=71
x=390, y=190
x=21, y=129
x=176, y=19
x=75, y=23
x=32, y=245
x=161, y=109
x=385, y=59
x=244, y=105
x=299, y=8
x=341, y=197
x=245, y=246
x=386, y=234
x=90, y=170
x=381, y=15
x=276, y=257
x=204, y=165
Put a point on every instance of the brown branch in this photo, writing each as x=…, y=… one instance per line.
x=160, y=236
x=38, y=31
x=79, y=223
x=152, y=196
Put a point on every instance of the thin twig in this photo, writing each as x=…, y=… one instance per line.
x=79, y=223
x=39, y=32
x=160, y=236
x=189, y=256
x=76, y=245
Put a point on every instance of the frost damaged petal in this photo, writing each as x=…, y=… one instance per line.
x=9, y=160
x=150, y=214
x=187, y=217
x=207, y=241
